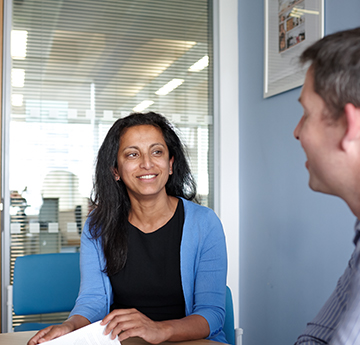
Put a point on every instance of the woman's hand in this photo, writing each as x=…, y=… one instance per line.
x=52, y=332
x=49, y=333
x=131, y=323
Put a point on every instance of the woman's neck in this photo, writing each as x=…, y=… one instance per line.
x=150, y=215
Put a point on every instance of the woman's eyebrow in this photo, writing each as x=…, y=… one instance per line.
x=157, y=144
x=137, y=148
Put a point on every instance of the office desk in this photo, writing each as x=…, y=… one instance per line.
x=17, y=338
x=21, y=338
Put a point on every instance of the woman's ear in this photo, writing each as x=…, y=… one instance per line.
x=116, y=174
x=171, y=165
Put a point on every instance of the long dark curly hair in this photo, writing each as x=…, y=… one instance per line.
x=110, y=198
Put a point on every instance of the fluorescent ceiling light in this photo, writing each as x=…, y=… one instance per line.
x=17, y=99
x=170, y=86
x=142, y=106
x=18, y=44
x=17, y=77
x=200, y=65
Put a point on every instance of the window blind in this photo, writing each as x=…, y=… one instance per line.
x=77, y=66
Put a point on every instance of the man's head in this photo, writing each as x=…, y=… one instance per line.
x=335, y=60
x=329, y=130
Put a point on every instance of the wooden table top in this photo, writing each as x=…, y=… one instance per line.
x=21, y=338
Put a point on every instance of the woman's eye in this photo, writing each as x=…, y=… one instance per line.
x=157, y=152
x=131, y=154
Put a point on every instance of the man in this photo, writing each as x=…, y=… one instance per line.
x=329, y=132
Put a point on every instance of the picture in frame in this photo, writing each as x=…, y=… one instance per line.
x=290, y=27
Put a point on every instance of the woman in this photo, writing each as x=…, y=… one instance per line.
x=153, y=263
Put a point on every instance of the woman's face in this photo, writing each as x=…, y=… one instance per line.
x=143, y=162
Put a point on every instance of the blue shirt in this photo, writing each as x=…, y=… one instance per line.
x=203, y=265
x=338, y=322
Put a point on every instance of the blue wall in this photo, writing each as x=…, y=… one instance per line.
x=294, y=243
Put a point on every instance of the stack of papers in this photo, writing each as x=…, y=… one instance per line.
x=89, y=335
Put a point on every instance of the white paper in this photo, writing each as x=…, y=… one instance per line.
x=71, y=227
x=34, y=228
x=72, y=113
x=15, y=228
x=89, y=335
x=108, y=114
x=53, y=113
x=90, y=114
x=53, y=227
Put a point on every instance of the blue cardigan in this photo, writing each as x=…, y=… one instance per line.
x=203, y=262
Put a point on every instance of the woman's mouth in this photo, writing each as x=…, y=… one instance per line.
x=147, y=177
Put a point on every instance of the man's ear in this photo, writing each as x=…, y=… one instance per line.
x=352, y=134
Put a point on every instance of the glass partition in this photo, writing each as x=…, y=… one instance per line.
x=77, y=66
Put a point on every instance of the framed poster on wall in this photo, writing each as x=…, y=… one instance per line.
x=290, y=27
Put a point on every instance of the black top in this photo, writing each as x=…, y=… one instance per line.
x=151, y=278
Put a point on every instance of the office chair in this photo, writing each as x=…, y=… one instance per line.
x=233, y=335
x=43, y=283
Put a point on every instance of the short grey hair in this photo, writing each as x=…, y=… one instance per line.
x=335, y=62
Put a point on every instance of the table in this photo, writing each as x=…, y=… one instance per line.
x=21, y=338
x=17, y=338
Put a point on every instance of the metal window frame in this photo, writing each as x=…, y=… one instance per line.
x=5, y=226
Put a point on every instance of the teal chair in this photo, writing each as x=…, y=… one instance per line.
x=43, y=283
x=233, y=335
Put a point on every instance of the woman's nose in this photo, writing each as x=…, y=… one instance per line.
x=146, y=161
